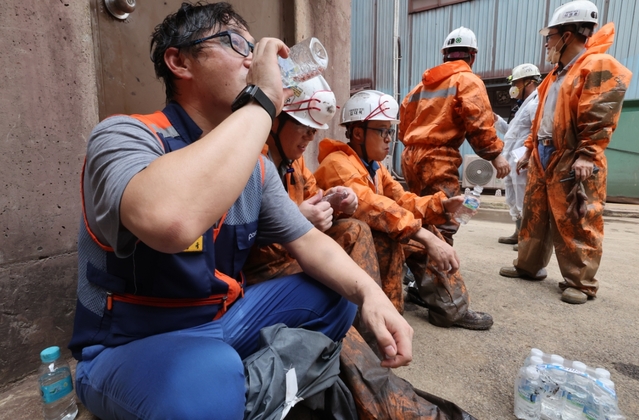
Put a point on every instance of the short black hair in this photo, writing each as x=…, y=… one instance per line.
x=190, y=22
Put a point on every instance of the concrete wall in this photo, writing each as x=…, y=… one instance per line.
x=328, y=21
x=49, y=102
x=48, y=105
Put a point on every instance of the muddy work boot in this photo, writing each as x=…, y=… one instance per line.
x=471, y=321
x=412, y=294
x=514, y=272
x=512, y=239
x=574, y=296
x=475, y=321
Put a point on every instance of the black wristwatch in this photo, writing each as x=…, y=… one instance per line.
x=252, y=92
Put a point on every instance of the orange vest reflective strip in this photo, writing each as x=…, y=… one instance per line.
x=154, y=122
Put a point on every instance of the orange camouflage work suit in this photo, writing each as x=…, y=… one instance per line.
x=586, y=114
x=449, y=105
x=394, y=215
x=273, y=261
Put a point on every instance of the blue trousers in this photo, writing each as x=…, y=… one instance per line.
x=197, y=373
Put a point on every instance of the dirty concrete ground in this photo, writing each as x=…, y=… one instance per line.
x=476, y=369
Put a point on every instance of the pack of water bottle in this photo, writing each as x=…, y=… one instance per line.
x=550, y=387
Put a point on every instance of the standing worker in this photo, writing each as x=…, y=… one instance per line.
x=524, y=80
x=449, y=105
x=402, y=222
x=579, y=106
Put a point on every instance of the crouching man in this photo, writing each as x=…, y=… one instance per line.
x=402, y=222
x=172, y=202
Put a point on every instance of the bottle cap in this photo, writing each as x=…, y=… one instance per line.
x=536, y=352
x=581, y=367
x=602, y=373
x=536, y=360
x=556, y=359
x=50, y=354
x=532, y=372
x=608, y=384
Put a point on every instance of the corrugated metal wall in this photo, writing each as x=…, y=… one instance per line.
x=507, y=35
x=506, y=30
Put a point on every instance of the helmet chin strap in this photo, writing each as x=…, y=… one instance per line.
x=286, y=164
x=364, y=155
x=561, y=52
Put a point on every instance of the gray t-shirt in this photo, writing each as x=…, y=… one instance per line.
x=121, y=146
x=548, y=116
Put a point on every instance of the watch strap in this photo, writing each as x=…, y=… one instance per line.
x=252, y=92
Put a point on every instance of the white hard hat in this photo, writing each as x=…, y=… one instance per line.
x=313, y=103
x=370, y=105
x=524, y=70
x=576, y=12
x=460, y=37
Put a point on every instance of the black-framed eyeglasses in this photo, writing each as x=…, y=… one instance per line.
x=383, y=132
x=551, y=35
x=236, y=41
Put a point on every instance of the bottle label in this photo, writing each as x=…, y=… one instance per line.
x=56, y=390
x=288, y=70
x=526, y=394
x=471, y=203
x=575, y=400
x=591, y=413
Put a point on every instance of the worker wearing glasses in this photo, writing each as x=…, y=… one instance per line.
x=579, y=106
x=173, y=201
x=402, y=222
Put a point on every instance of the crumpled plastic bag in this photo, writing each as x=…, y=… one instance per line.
x=577, y=202
x=380, y=394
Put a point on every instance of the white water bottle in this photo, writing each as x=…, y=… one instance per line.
x=470, y=205
x=577, y=391
x=527, y=389
x=555, y=381
x=306, y=60
x=56, y=386
x=602, y=373
x=534, y=353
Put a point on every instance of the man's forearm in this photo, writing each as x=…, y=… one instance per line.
x=183, y=193
x=323, y=259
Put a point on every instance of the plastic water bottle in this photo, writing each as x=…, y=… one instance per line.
x=527, y=389
x=602, y=373
x=470, y=205
x=576, y=395
x=554, y=383
x=56, y=386
x=306, y=60
x=534, y=353
x=537, y=362
x=602, y=402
